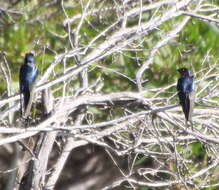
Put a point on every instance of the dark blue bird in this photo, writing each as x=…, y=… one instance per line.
x=186, y=92
x=28, y=75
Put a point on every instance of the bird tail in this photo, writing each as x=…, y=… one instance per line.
x=26, y=99
x=185, y=102
x=21, y=104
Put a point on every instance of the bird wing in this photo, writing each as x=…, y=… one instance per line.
x=191, y=104
x=21, y=74
x=186, y=104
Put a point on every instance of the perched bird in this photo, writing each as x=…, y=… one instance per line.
x=186, y=92
x=28, y=75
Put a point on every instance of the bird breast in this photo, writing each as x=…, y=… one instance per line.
x=31, y=72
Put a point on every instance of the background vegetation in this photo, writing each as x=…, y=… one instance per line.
x=106, y=113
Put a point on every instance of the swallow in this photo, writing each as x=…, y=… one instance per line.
x=27, y=78
x=186, y=92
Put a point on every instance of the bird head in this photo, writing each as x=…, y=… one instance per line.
x=184, y=72
x=29, y=58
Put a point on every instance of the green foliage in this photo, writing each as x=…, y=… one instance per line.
x=144, y=188
x=197, y=37
x=40, y=30
x=198, y=151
